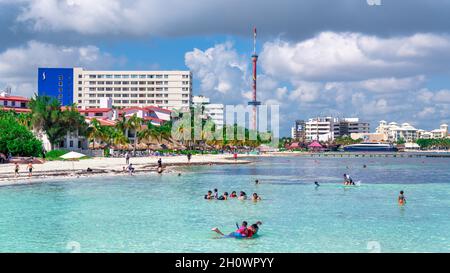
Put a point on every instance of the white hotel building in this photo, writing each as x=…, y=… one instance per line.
x=215, y=111
x=165, y=89
x=328, y=128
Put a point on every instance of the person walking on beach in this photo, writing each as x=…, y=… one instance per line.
x=16, y=169
x=127, y=158
x=30, y=169
x=189, y=155
x=401, y=199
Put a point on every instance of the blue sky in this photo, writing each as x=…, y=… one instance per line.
x=316, y=57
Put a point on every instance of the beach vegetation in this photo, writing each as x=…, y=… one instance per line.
x=15, y=138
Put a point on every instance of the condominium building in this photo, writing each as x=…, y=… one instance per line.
x=14, y=103
x=88, y=88
x=328, y=128
x=405, y=131
x=215, y=111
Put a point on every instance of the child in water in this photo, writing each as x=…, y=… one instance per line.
x=401, y=199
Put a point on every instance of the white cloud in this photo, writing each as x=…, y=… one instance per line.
x=331, y=56
x=222, y=72
x=18, y=66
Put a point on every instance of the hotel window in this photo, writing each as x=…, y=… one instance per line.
x=108, y=88
x=92, y=101
x=185, y=83
x=80, y=82
x=141, y=95
x=134, y=101
x=117, y=101
x=80, y=101
x=166, y=89
x=125, y=82
x=109, y=95
x=134, y=83
x=80, y=76
x=159, y=82
x=185, y=76
x=134, y=76
x=151, y=89
x=92, y=76
x=166, y=95
x=141, y=101
x=158, y=76
x=185, y=95
x=125, y=101
x=134, y=89
x=151, y=95
x=117, y=95
x=108, y=82
x=101, y=89
x=141, y=83
x=166, y=76
x=117, y=82
x=185, y=101
x=141, y=89
x=100, y=95
x=150, y=76
x=101, y=76
x=117, y=76
x=141, y=76
x=109, y=76
x=100, y=82
x=166, y=83
x=80, y=89
x=92, y=95
x=125, y=76
x=117, y=88
x=150, y=82
x=60, y=83
x=134, y=95
x=125, y=89
x=80, y=95
x=166, y=101
x=150, y=101
x=92, y=83
x=159, y=89
x=125, y=95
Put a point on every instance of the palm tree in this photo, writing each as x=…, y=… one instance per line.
x=95, y=131
x=134, y=123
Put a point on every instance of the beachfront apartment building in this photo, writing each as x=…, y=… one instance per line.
x=15, y=103
x=329, y=128
x=215, y=111
x=90, y=88
x=405, y=131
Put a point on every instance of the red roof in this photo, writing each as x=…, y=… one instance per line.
x=103, y=122
x=154, y=108
x=18, y=110
x=315, y=144
x=15, y=98
x=154, y=119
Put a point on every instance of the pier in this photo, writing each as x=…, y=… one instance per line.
x=382, y=154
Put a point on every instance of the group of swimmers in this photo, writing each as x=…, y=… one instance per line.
x=214, y=195
x=242, y=231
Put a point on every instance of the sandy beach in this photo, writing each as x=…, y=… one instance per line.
x=105, y=167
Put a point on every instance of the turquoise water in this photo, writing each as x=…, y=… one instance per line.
x=168, y=213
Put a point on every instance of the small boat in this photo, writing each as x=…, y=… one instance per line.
x=370, y=147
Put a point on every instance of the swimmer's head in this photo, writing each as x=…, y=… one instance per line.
x=401, y=192
x=244, y=223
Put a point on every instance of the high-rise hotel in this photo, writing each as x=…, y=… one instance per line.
x=96, y=89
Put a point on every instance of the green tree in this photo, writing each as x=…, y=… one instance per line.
x=17, y=139
x=48, y=116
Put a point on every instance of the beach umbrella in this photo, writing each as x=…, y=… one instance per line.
x=72, y=156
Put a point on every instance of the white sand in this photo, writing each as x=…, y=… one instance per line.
x=103, y=166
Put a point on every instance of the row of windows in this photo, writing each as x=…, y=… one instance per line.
x=125, y=82
x=127, y=95
x=134, y=101
x=127, y=76
x=124, y=89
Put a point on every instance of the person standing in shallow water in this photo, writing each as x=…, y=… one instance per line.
x=401, y=199
x=189, y=155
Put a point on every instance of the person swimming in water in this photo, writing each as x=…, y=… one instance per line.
x=256, y=197
x=209, y=195
x=224, y=196
x=256, y=181
x=241, y=232
x=233, y=194
x=242, y=196
x=216, y=194
x=401, y=199
x=316, y=183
